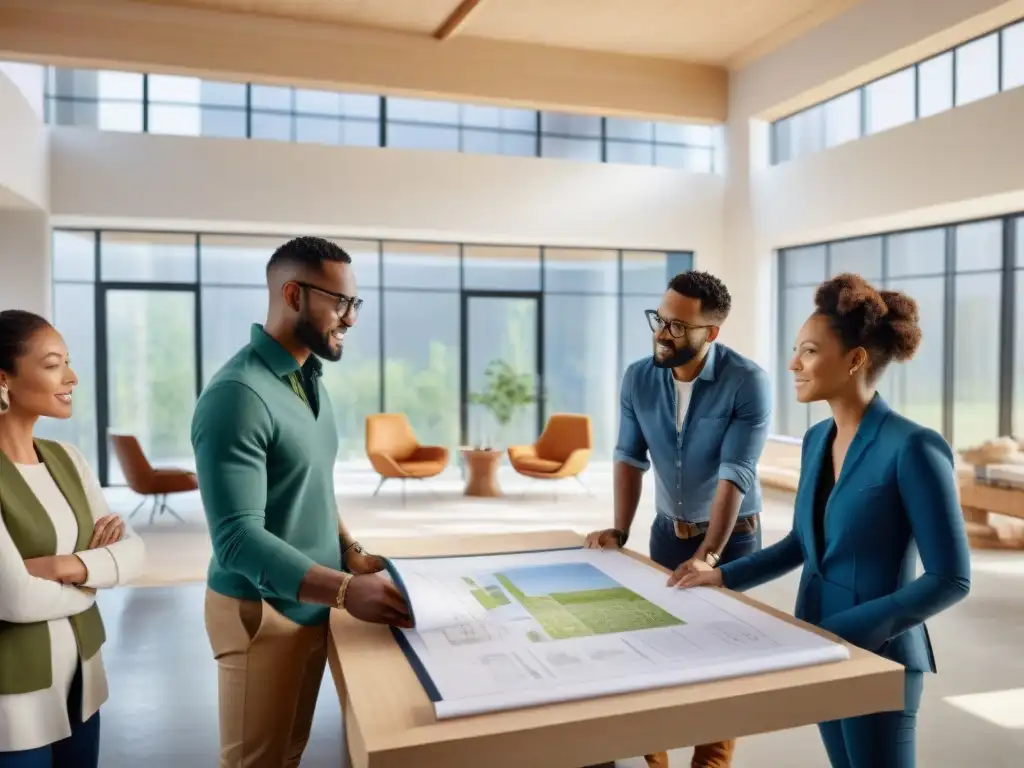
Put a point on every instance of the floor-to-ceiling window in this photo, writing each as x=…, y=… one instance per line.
x=967, y=378
x=151, y=316
x=581, y=289
x=421, y=342
x=1017, y=338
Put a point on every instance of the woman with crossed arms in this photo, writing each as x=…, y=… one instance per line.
x=58, y=545
x=875, y=488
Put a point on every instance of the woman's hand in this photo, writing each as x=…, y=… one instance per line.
x=108, y=530
x=66, y=569
x=695, y=573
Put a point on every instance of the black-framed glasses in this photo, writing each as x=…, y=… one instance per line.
x=345, y=303
x=676, y=328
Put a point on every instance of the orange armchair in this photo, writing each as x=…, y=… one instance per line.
x=562, y=451
x=395, y=454
x=148, y=482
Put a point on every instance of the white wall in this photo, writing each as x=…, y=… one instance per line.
x=23, y=147
x=25, y=261
x=960, y=164
x=114, y=179
x=951, y=166
x=30, y=80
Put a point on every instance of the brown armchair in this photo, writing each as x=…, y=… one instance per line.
x=395, y=453
x=149, y=482
x=562, y=451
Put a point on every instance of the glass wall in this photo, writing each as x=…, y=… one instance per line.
x=150, y=317
x=973, y=70
x=190, y=106
x=967, y=378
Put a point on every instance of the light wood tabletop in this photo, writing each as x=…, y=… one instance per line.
x=390, y=722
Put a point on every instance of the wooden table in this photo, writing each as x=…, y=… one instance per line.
x=390, y=722
x=482, y=468
x=979, y=499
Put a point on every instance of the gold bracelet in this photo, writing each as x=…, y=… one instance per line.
x=339, y=600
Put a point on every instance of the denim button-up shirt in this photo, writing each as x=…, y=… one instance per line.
x=724, y=431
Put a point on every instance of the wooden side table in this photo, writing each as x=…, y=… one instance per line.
x=482, y=467
x=977, y=500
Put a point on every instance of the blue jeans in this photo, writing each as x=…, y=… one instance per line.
x=881, y=740
x=79, y=750
x=669, y=551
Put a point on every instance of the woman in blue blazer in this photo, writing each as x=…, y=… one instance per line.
x=875, y=489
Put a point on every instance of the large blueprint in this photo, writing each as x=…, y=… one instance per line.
x=507, y=631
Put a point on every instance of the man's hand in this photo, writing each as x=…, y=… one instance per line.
x=606, y=539
x=362, y=563
x=375, y=599
x=66, y=569
x=695, y=573
x=108, y=530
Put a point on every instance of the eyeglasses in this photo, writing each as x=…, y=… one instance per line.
x=345, y=303
x=676, y=328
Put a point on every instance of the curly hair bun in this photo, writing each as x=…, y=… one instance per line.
x=902, y=322
x=885, y=322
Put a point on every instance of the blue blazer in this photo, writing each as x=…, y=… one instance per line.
x=896, y=496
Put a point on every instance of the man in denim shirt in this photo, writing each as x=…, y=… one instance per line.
x=700, y=412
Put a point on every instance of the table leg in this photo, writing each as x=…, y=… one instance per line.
x=981, y=534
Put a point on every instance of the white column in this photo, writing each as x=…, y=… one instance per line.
x=25, y=262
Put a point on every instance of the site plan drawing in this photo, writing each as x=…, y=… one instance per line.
x=506, y=631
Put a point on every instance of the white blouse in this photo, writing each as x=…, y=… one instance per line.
x=31, y=720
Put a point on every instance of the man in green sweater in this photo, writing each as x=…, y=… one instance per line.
x=265, y=445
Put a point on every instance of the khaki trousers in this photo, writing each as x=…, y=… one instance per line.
x=717, y=755
x=268, y=678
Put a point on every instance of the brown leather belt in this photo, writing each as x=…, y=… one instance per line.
x=685, y=530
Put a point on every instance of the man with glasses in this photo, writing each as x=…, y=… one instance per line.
x=699, y=413
x=265, y=446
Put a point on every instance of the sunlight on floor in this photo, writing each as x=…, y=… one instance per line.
x=1002, y=708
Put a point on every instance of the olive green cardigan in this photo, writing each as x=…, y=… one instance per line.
x=25, y=662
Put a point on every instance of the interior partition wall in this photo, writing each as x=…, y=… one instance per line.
x=967, y=378
x=150, y=317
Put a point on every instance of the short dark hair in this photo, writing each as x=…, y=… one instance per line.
x=16, y=328
x=309, y=252
x=884, y=323
x=715, y=301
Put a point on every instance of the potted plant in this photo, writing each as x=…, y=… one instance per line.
x=506, y=392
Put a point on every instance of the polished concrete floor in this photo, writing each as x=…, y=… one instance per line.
x=162, y=712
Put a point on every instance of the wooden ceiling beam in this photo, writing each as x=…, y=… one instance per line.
x=456, y=19
x=119, y=34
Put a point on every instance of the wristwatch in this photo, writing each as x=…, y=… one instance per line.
x=621, y=537
x=712, y=558
x=355, y=546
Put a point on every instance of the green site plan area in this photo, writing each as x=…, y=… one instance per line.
x=570, y=600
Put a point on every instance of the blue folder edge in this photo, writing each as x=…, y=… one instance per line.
x=429, y=686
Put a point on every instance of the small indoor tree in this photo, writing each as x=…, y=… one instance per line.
x=506, y=392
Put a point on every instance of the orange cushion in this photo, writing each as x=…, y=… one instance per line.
x=421, y=468
x=535, y=464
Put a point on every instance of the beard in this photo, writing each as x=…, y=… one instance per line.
x=680, y=356
x=318, y=342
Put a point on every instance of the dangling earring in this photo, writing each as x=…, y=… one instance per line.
x=5, y=400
